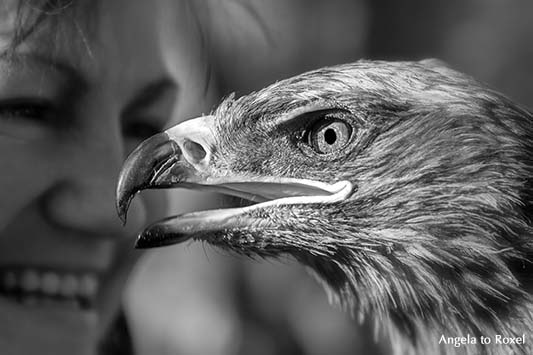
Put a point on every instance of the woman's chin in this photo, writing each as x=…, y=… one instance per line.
x=44, y=326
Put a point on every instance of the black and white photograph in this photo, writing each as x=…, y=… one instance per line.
x=252, y=177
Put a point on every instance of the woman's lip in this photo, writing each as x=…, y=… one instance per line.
x=46, y=286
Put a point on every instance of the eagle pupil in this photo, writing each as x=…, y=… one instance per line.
x=330, y=136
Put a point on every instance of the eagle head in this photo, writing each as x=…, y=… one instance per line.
x=406, y=187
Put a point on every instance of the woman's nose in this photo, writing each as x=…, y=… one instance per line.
x=89, y=206
x=84, y=198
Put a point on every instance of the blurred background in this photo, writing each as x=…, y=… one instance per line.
x=195, y=299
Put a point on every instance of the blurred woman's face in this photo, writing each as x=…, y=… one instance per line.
x=75, y=101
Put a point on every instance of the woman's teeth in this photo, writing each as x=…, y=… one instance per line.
x=44, y=287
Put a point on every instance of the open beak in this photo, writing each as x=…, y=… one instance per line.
x=182, y=157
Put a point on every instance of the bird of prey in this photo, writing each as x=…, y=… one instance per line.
x=406, y=187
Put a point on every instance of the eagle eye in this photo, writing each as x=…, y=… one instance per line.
x=329, y=135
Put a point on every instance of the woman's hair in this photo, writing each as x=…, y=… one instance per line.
x=20, y=19
x=24, y=17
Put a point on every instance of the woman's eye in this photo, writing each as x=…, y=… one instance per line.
x=21, y=109
x=329, y=135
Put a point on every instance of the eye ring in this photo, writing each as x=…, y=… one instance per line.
x=329, y=135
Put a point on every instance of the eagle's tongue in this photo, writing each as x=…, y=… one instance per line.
x=271, y=190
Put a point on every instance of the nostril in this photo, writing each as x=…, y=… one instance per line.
x=195, y=150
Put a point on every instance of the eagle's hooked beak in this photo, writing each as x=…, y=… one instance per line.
x=182, y=157
x=172, y=157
